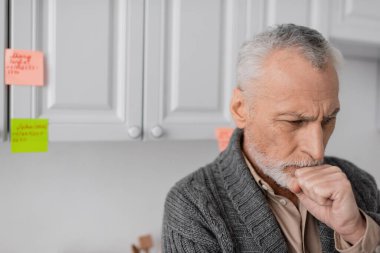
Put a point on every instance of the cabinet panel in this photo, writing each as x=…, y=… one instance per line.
x=93, y=65
x=356, y=20
x=190, y=55
x=83, y=55
x=3, y=88
x=288, y=11
x=378, y=96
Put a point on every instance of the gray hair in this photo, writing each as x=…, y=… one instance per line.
x=310, y=43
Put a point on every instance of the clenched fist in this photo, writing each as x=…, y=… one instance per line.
x=327, y=194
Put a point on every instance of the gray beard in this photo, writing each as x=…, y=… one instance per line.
x=275, y=169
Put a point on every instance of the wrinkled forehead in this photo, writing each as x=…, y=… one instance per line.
x=287, y=73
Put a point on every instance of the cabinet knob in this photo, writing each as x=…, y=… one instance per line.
x=157, y=131
x=134, y=132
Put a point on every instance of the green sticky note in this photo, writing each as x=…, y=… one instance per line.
x=29, y=135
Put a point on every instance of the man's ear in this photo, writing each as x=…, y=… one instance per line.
x=238, y=108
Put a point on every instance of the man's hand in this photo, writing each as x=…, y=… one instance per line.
x=327, y=194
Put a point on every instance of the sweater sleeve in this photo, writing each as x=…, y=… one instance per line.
x=368, y=243
x=376, y=213
x=173, y=242
x=185, y=228
x=366, y=191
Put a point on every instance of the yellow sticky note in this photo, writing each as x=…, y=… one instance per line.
x=29, y=135
x=223, y=135
x=24, y=67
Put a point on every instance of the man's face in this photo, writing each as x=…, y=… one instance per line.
x=289, y=114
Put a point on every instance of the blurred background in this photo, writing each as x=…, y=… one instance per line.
x=134, y=90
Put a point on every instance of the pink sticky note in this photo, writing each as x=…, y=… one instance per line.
x=223, y=136
x=24, y=67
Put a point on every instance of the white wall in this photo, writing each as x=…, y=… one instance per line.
x=98, y=197
x=90, y=197
x=356, y=136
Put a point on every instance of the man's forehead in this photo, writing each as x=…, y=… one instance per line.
x=297, y=100
x=286, y=58
x=285, y=93
x=304, y=101
x=287, y=73
x=303, y=114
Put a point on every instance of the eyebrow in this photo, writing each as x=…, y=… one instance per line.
x=301, y=116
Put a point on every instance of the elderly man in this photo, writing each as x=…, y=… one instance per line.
x=272, y=189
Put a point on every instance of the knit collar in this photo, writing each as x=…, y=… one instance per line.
x=251, y=204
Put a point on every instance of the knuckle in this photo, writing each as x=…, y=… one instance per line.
x=298, y=172
x=346, y=184
x=334, y=169
x=321, y=201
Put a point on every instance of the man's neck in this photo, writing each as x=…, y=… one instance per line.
x=278, y=190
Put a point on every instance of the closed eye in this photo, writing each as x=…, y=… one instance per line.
x=296, y=122
x=328, y=120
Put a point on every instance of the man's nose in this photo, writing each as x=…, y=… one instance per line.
x=314, y=145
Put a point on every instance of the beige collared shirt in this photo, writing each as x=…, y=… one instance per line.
x=301, y=230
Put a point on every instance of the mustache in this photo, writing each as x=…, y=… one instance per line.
x=302, y=164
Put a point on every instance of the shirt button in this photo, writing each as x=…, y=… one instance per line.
x=283, y=202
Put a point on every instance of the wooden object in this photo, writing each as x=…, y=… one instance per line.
x=146, y=243
x=135, y=249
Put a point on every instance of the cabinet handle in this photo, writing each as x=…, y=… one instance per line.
x=134, y=132
x=157, y=131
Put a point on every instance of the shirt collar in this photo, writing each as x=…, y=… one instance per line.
x=259, y=180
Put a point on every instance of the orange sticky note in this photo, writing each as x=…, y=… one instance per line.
x=24, y=67
x=223, y=136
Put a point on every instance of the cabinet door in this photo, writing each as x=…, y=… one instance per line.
x=190, y=55
x=93, y=66
x=356, y=20
x=3, y=88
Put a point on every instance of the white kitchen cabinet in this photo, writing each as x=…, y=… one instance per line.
x=3, y=88
x=93, y=67
x=355, y=20
x=107, y=76
x=153, y=69
x=190, y=56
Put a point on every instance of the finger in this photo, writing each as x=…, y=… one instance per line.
x=293, y=186
x=317, y=172
x=312, y=206
x=308, y=178
x=312, y=170
x=311, y=183
x=322, y=177
x=320, y=192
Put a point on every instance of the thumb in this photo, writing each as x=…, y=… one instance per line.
x=294, y=186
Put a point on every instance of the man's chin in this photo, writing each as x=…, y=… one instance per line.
x=280, y=177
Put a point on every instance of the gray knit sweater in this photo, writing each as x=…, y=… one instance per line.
x=220, y=208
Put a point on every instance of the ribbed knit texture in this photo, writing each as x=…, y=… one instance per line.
x=220, y=208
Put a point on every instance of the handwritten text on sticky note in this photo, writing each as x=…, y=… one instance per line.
x=223, y=136
x=24, y=67
x=29, y=135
